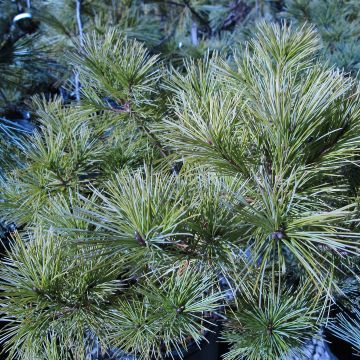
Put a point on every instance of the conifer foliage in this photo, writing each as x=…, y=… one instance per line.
x=120, y=246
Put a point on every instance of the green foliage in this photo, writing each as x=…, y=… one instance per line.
x=10, y=138
x=270, y=325
x=72, y=148
x=286, y=134
x=120, y=76
x=207, y=115
x=338, y=24
x=126, y=248
x=47, y=291
x=165, y=219
x=115, y=68
x=54, y=298
x=212, y=224
x=275, y=108
x=175, y=30
x=59, y=158
x=346, y=327
x=160, y=324
x=139, y=210
x=26, y=60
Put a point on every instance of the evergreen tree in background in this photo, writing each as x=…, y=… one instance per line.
x=35, y=34
x=173, y=177
x=338, y=23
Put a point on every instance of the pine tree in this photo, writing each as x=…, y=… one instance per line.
x=173, y=183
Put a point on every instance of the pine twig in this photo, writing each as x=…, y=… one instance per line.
x=81, y=39
x=194, y=37
x=79, y=23
x=154, y=139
